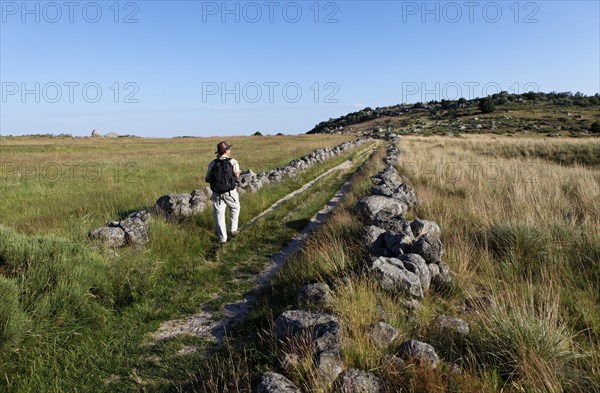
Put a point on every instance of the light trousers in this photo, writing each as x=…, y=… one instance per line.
x=220, y=203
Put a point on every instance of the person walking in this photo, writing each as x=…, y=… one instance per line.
x=222, y=174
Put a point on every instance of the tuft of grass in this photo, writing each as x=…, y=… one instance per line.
x=527, y=341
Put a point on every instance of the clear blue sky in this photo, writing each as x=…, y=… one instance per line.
x=232, y=68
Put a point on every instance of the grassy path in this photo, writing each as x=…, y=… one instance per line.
x=212, y=326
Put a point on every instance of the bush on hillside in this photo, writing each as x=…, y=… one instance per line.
x=487, y=105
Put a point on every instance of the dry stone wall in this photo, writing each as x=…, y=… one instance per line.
x=406, y=260
x=133, y=230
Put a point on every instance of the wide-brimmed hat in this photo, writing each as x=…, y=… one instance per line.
x=222, y=147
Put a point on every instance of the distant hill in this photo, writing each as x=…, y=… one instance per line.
x=555, y=114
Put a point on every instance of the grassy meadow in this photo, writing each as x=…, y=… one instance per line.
x=523, y=229
x=75, y=317
x=520, y=220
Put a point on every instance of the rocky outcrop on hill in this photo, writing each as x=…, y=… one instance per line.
x=133, y=230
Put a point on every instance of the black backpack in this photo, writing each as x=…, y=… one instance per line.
x=222, y=178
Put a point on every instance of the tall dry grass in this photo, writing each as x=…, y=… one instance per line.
x=526, y=230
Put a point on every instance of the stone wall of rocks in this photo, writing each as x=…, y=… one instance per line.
x=406, y=260
x=133, y=230
x=251, y=181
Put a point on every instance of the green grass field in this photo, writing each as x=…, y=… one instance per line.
x=77, y=318
x=520, y=219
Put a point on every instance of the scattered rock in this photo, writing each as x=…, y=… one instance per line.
x=419, y=352
x=358, y=381
x=329, y=366
x=316, y=295
x=451, y=325
x=271, y=382
x=443, y=279
x=383, y=334
x=113, y=237
x=324, y=329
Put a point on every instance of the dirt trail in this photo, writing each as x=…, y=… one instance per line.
x=204, y=324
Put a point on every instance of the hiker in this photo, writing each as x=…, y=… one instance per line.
x=222, y=175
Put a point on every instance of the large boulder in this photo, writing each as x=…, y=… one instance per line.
x=394, y=277
x=372, y=205
x=271, y=382
x=419, y=352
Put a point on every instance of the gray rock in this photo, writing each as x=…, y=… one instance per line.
x=396, y=224
x=112, y=236
x=398, y=243
x=96, y=134
x=424, y=227
x=372, y=205
x=389, y=176
x=444, y=278
x=315, y=295
x=324, y=329
x=430, y=248
x=143, y=215
x=417, y=265
x=271, y=382
x=419, y=352
x=402, y=193
x=247, y=178
x=136, y=231
x=329, y=366
x=383, y=334
x=112, y=135
x=358, y=381
x=373, y=237
x=451, y=325
x=434, y=270
x=179, y=206
x=392, y=276
x=199, y=200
